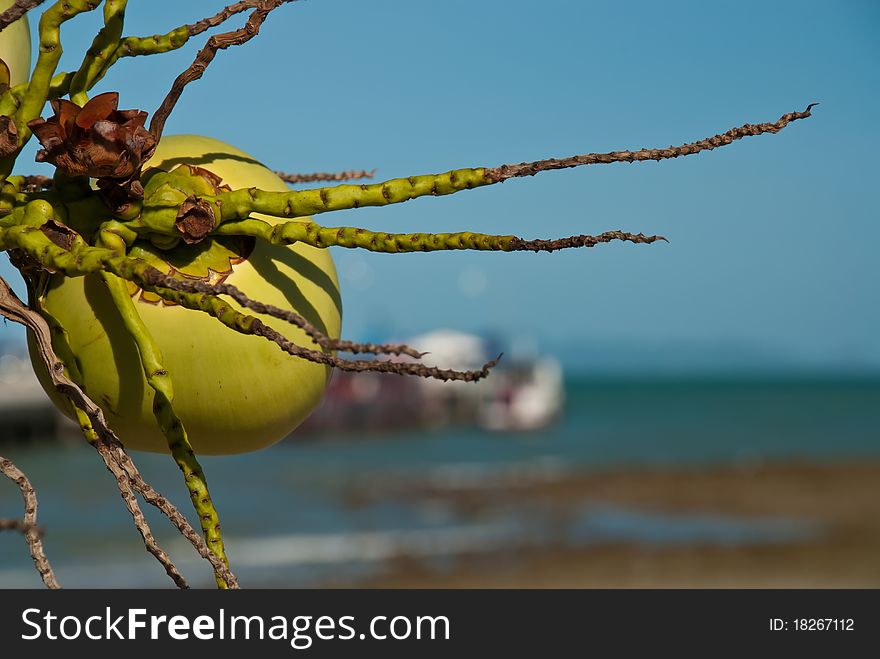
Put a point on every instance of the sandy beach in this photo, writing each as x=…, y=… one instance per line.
x=840, y=501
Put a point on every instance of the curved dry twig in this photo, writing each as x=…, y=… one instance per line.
x=206, y=55
x=220, y=17
x=504, y=172
x=29, y=522
x=140, y=522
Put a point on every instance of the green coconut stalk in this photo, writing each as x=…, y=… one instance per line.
x=315, y=235
x=172, y=427
x=97, y=57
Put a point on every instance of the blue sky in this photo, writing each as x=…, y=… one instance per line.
x=771, y=256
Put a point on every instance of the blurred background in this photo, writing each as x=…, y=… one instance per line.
x=699, y=413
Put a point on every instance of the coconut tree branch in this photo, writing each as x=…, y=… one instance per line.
x=104, y=260
x=127, y=47
x=347, y=175
x=29, y=523
x=18, y=9
x=80, y=259
x=11, y=99
x=239, y=204
x=206, y=56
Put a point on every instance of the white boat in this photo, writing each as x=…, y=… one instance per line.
x=522, y=393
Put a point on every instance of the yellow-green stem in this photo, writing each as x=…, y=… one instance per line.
x=104, y=45
x=159, y=380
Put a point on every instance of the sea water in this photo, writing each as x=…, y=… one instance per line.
x=301, y=513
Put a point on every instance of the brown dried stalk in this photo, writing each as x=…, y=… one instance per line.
x=518, y=244
x=106, y=443
x=359, y=366
x=347, y=175
x=498, y=174
x=221, y=16
x=140, y=522
x=29, y=523
x=114, y=451
x=206, y=55
x=16, y=11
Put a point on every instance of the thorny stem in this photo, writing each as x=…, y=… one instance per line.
x=18, y=9
x=98, y=60
x=206, y=55
x=29, y=522
x=87, y=260
x=222, y=16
